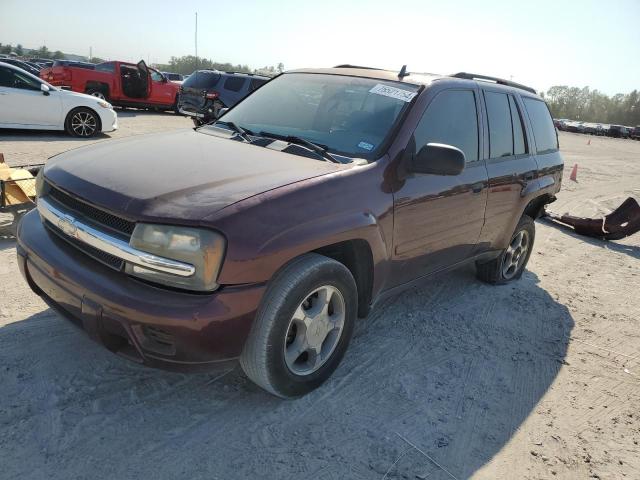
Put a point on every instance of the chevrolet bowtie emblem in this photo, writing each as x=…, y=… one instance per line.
x=68, y=226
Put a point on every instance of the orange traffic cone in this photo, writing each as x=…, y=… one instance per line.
x=574, y=173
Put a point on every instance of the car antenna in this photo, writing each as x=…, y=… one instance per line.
x=403, y=72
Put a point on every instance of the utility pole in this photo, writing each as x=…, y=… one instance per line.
x=90, y=53
x=196, y=39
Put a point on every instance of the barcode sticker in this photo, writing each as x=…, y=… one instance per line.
x=393, y=92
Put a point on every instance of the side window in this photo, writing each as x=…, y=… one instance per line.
x=234, y=83
x=451, y=118
x=6, y=77
x=544, y=132
x=519, y=146
x=499, y=117
x=106, y=67
x=156, y=76
x=256, y=82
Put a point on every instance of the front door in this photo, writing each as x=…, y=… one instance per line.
x=438, y=219
x=23, y=103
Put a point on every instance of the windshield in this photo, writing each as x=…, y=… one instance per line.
x=351, y=116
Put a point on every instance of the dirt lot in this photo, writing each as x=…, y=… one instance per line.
x=456, y=379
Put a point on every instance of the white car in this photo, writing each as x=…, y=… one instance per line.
x=29, y=102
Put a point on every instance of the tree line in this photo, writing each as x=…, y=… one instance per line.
x=187, y=64
x=593, y=106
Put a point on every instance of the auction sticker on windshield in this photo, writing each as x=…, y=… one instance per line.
x=393, y=92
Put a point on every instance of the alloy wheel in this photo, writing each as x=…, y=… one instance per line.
x=314, y=330
x=84, y=124
x=515, y=255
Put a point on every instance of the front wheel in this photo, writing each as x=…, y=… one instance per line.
x=303, y=326
x=513, y=259
x=82, y=122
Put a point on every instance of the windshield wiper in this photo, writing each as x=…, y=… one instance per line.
x=314, y=147
x=241, y=132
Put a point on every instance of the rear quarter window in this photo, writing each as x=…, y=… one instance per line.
x=256, y=82
x=544, y=133
x=234, y=84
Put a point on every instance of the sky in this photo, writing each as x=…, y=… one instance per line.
x=539, y=43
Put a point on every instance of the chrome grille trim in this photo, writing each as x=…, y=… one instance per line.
x=76, y=229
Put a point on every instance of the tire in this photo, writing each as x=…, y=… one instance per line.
x=82, y=122
x=270, y=356
x=513, y=260
x=99, y=94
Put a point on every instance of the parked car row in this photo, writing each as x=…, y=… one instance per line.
x=616, y=131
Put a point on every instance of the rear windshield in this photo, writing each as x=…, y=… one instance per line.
x=351, y=116
x=202, y=79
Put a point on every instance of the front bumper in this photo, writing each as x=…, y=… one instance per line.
x=108, y=119
x=150, y=325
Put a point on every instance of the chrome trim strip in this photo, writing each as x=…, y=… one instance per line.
x=74, y=228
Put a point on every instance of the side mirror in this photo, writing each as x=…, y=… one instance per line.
x=438, y=159
x=44, y=89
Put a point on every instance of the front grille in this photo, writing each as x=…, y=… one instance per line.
x=103, y=257
x=90, y=212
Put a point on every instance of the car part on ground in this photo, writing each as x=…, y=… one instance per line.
x=622, y=222
x=17, y=190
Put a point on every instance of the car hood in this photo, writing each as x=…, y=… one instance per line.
x=183, y=175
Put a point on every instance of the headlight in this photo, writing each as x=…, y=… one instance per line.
x=104, y=104
x=39, y=181
x=201, y=248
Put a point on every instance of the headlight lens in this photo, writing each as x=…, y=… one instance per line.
x=104, y=104
x=39, y=182
x=201, y=248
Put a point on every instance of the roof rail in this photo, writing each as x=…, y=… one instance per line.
x=346, y=65
x=500, y=81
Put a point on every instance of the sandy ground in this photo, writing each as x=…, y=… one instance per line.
x=455, y=379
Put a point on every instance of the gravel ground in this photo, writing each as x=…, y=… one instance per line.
x=455, y=379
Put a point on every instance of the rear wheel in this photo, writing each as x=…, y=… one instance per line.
x=99, y=94
x=513, y=259
x=303, y=326
x=82, y=122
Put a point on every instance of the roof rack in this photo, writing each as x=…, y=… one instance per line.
x=500, y=81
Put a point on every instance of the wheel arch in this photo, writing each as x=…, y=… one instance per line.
x=357, y=256
x=95, y=85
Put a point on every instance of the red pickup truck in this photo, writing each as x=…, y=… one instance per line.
x=120, y=83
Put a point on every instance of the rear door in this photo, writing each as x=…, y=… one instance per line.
x=23, y=103
x=233, y=90
x=510, y=163
x=438, y=219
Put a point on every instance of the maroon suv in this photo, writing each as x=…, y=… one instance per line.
x=261, y=237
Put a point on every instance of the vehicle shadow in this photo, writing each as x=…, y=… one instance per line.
x=454, y=367
x=631, y=250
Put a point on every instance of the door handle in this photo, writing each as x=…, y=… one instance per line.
x=477, y=187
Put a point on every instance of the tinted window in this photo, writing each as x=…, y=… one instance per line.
x=451, y=118
x=6, y=77
x=519, y=146
x=544, y=132
x=106, y=67
x=499, y=116
x=234, y=83
x=256, y=82
x=202, y=79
